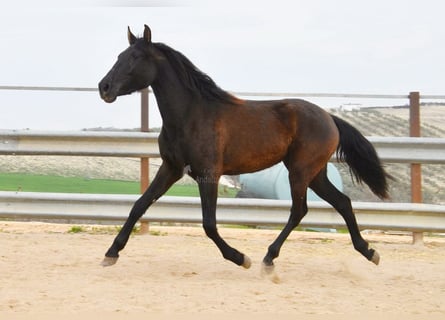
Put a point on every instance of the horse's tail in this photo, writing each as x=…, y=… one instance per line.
x=360, y=155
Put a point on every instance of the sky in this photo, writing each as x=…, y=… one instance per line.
x=343, y=46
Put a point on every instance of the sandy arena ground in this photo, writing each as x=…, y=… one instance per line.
x=177, y=270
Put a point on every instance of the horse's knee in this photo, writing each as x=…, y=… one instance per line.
x=296, y=215
x=136, y=212
x=210, y=230
x=294, y=222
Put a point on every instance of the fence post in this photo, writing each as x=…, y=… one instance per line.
x=145, y=162
x=416, y=170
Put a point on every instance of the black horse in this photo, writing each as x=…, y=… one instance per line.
x=208, y=132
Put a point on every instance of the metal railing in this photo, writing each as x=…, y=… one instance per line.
x=414, y=217
x=94, y=207
x=248, y=93
x=79, y=143
x=13, y=205
x=145, y=144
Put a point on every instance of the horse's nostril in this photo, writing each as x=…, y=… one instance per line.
x=105, y=87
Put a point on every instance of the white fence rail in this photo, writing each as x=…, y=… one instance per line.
x=55, y=206
x=79, y=143
x=93, y=207
x=141, y=144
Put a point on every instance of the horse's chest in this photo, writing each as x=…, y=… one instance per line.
x=181, y=147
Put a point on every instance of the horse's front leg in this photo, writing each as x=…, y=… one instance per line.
x=166, y=176
x=208, y=189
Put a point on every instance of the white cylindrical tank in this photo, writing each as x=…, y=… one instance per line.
x=273, y=183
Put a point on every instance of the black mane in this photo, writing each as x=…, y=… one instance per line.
x=193, y=78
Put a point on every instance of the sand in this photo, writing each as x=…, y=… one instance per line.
x=177, y=270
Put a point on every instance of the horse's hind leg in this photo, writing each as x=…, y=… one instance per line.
x=328, y=192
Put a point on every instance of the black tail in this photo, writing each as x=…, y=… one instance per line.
x=360, y=155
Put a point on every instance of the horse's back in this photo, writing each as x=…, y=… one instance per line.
x=258, y=134
x=302, y=119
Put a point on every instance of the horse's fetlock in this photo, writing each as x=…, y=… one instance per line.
x=273, y=252
x=361, y=247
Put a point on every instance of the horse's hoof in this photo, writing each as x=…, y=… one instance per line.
x=269, y=272
x=109, y=261
x=267, y=269
x=375, y=258
x=247, y=262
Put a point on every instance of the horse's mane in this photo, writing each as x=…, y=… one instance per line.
x=193, y=78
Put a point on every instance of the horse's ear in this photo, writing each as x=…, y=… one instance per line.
x=147, y=33
x=131, y=37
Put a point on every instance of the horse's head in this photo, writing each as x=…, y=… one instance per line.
x=135, y=68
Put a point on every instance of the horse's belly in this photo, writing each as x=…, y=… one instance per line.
x=245, y=160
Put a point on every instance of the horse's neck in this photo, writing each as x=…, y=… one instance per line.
x=172, y=97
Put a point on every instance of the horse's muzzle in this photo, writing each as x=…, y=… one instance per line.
x=105, y=91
